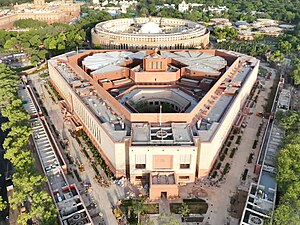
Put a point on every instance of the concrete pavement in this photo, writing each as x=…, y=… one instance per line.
x=104, y=197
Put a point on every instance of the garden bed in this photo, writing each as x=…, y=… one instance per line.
x=151, y=208
x=196, y=206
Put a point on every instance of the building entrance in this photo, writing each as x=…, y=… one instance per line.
x=163, y=195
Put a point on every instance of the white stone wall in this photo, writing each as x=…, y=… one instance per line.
x=114, y=152
x=208, y=150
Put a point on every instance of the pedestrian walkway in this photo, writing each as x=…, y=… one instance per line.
x=219, y=197
x=164, y=206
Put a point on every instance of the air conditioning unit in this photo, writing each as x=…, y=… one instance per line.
x=254, y=220
x=74, y=219
x=80, y=223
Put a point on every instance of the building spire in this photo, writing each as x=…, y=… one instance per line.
x=160, y=114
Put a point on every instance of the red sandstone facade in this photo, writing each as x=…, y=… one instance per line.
x=134, y=149
x=39, y=10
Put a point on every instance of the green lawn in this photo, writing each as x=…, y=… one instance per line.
x=152, y=208
x=196, y=206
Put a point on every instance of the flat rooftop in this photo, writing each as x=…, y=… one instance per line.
x=109, y=61
x=284, y=100
x=213, y=110
x=26, y=99
x=66, y=196
x=274, y=145
x=163, y=179
x=198, y=61
x=106, y=116
x=176, y=134
x=262, y=196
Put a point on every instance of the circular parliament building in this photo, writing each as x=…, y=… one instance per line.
x=150, y=33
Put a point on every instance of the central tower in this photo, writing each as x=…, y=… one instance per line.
x=39, y=2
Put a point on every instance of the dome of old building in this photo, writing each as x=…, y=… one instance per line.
x=150, y=28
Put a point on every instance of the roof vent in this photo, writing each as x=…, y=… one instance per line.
x=254, y=220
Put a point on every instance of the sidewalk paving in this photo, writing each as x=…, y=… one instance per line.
x=219, y=197
x=104, y=197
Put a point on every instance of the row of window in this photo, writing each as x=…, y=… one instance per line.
x=181, y=166
x=144, y=178
x=88, y=120
x=156, y=65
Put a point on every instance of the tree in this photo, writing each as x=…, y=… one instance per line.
x=16, y=114
x=285, y=46
x=296, y=75
x=139, y=207
x=288, y=120
x=30, y=23
x=285, y=214
x=3, y=204
x=288, y=210
x=288, y=168
x=143, y=12
x=184, y=209
x=35, y=41
x=276, y=56
x=28, y=185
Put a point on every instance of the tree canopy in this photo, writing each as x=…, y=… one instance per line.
x=28, y=184
x=238, y=9
x=30, y=23
x=288, y=170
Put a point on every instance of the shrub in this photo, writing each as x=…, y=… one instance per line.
x=225, y=151
x=228, y=143
x=244, y=176
x=226, y=168
x=254, y=144
x=214, y=174
x=86, y=153
x=231, y=137
x=250, y=157
x=77, y=175
x=78, y=140
x=95, y=152
x=232, y=153
x=222, y=157
x=238, y=140
x=54, y=129
x=69, y=158
x=45, y=110
x=95, y=169
x=219, y=165
x=63, y=145
x=55, y=91
x=259, y=130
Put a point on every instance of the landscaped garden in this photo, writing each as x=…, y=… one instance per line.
x=151, y=208
x=196, y=206
x=134, y=209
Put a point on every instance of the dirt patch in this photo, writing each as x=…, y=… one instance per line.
x=237, y=203
x=199, y=192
